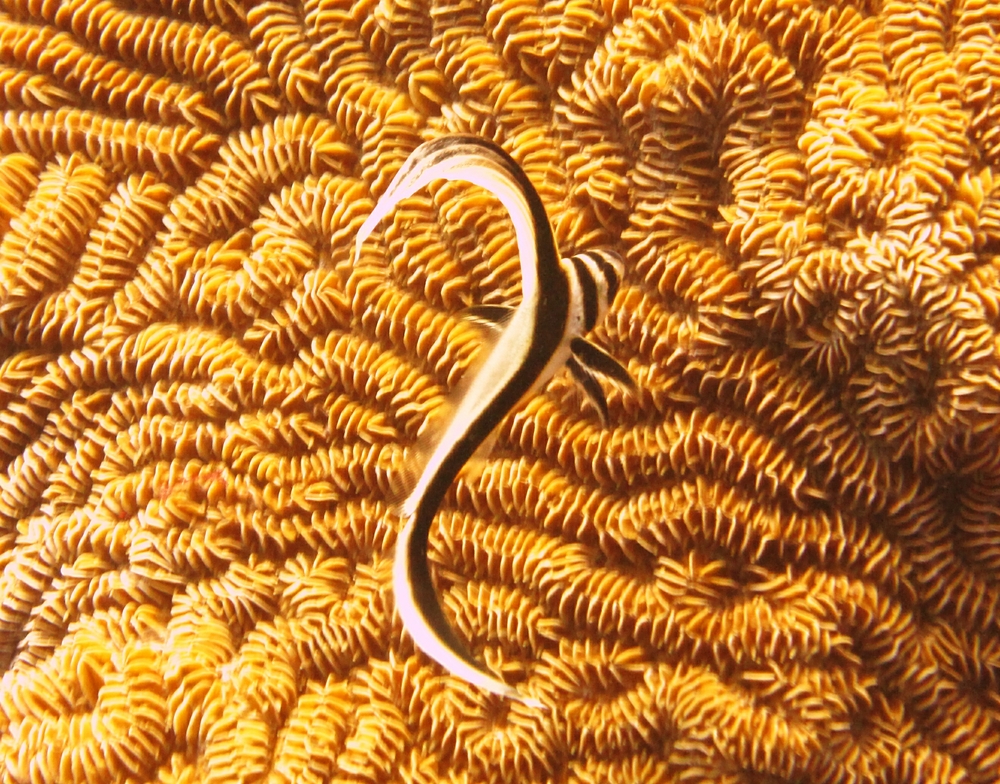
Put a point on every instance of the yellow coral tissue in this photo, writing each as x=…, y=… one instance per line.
x=778, y=561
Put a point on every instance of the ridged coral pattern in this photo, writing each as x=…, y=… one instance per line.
x=779, y=563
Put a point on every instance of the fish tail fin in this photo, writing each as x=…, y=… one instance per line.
x=424, y=619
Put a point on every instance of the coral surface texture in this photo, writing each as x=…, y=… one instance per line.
x=778, y=561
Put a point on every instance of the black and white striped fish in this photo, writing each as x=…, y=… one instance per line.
x=562, y=299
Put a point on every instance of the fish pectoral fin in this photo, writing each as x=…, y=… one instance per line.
x=600, y=363
x=475, y=466
x=406, y=470
x=492, y=317
x=590, y=386
x=403, y=478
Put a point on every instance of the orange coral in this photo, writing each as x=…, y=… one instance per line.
x=778, y=562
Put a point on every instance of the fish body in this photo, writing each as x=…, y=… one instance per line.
x=561, y=300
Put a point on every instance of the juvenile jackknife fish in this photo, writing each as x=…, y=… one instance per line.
x=561, y=300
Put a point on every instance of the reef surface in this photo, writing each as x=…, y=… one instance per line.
x=779, y=563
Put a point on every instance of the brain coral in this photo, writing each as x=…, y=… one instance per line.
x=779, y=563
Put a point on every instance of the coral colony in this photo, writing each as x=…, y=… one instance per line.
x=775, y=560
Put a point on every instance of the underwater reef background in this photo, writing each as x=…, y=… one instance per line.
x=779, y=563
